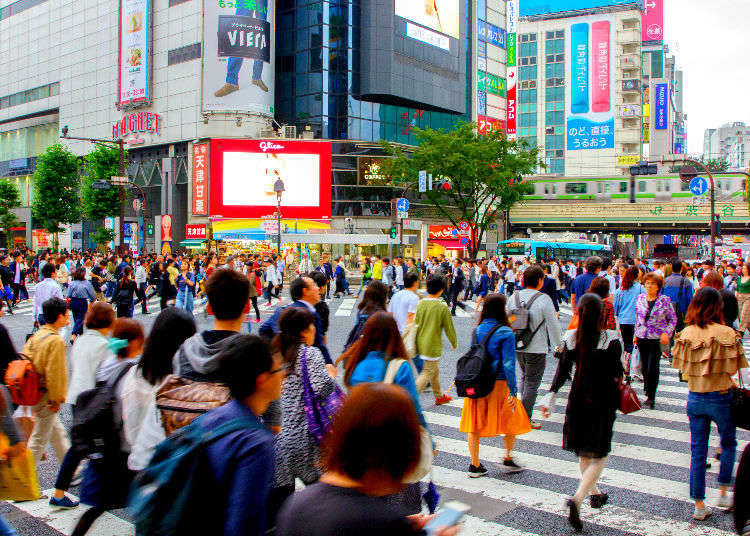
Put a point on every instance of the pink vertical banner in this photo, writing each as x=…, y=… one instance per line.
x=600, y=51
x=652, y=21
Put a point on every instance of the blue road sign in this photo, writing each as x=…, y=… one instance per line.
x=422, y=181
x=699, y=185
x=464, y=241
x=402, y=205
x=454, y=233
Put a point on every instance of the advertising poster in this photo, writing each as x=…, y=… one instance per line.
x=238, y=56
x=661, y=110
x=166, y=234
x=490, y=83
x=245, y=172
x=439, y=15
x=512, y=11
x=652, y=21
x=486, y=124
x=543, y=7
x=134, y=51
x=590, y=121
x=200, y=179
x=491, y=34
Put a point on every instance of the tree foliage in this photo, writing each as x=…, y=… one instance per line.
x=102, y=237
x=56, y=197
x=99, y=165
x=485, y=173
x=10, y=198
x=714, y=165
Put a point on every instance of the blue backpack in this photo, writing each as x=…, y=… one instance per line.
x=174, y=492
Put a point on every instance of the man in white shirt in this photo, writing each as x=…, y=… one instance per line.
x=46, y=289
x=272, y=278
x=305, y=265
x=403, y=305
x=141, y=277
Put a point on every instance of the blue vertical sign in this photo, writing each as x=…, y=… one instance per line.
x=579, y=57
x=481, y=103
x=661, y=111
x=491, y=34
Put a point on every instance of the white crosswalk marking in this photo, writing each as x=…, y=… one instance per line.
x=347, y=307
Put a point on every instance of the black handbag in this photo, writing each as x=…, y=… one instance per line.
x=740, y=409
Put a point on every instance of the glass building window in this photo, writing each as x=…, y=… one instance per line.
x=30, y=95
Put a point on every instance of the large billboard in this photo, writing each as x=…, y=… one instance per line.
x=134, y=54
x=544, y=7
x=661, y=107
x=238, y=56
x=652, y=21
x=591, y=95
x=439, y=15
x=244, y=173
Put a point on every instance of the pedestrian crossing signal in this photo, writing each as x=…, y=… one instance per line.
x=150, y=229
x=394, y=232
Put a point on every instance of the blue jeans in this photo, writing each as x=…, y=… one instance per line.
x=702, y=408
x=79, y=306
x=6, y=529
x=185, y=300
x=111, y=286
x=235, y=64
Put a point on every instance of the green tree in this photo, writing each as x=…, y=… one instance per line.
x=10, y=198
x=56, y=198
x=102, y=237
x=714, y=165
x=99, y=165
x=485, y=172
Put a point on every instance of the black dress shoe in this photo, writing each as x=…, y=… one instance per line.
x=649, y=404
x=597, y=501
x=574, y=517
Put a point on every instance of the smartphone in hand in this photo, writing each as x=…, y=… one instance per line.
x=450, y=514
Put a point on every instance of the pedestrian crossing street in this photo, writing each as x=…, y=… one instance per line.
x=647, y=476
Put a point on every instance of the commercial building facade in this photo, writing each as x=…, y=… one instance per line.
x=730, y=142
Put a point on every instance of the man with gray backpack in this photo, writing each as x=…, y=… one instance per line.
x=534, y=321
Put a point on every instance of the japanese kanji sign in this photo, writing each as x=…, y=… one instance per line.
x=200, y=179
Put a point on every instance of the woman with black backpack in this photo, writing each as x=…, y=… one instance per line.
x=500, y=412
x=374, y=300
x=123, y=298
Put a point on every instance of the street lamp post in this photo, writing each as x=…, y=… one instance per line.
x=278, y=188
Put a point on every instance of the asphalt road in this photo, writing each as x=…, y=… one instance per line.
x=646, y=476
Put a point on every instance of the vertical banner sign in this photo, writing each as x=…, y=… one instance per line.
x=511, y=39
x=579, y=42
x=661, y=110
x=134, y=52
x=600, y=89
x=200, y=179
x=591, y=121
x=646, y=114
x=166, y=234
x=482, y=55
x=652, y=21
x=238, y=56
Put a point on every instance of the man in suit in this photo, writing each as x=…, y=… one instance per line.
x=19, y=275
x=457, y=279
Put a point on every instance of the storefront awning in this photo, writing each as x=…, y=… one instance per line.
x=192, y=243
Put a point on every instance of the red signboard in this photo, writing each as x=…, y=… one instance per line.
x=600, y=98
x=511, y=113
x=246, y=174
x=652, y=21
x=443, y=232
x=486, y=124
x=200, y=179
x=136, y=122
x=194, y=232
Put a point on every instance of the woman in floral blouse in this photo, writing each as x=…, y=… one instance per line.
x=654, y=324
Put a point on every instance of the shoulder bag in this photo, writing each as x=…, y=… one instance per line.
x=740, y=409
x=319, y=413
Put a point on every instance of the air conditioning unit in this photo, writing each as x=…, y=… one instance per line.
x=289, y=132
x=267, y=133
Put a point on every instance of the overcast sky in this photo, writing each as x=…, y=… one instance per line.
x=709, y=39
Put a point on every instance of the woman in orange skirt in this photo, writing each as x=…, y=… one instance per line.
x=500, y=412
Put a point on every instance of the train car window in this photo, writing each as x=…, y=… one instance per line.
x=623, y=187
x=667, y=185
x=641, y=186
x=658, y=186
x=684, y=186
x=575, y=188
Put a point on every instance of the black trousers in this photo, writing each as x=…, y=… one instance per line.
x=455, y=292
x=650, y=350
x=254, y=301
x=627, y=336
x=141, y=293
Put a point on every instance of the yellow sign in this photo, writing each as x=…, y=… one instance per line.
x=738, y=240
x=627, y=160
x=625, y=238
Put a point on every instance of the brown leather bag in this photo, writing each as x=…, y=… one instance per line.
x=180, y=401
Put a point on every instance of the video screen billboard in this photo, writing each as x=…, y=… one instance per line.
x=134, y=52
x=439, y=15
x=544, y=7
x=238, y=56
x=590, y=121
x=244, y=172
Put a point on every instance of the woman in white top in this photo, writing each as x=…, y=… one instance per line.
x=171, y=328
x=90, y=349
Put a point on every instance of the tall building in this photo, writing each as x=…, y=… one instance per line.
x=730, y=142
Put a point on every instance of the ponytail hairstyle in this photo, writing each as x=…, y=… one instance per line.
x=292, y=322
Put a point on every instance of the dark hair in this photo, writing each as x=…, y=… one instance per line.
x=374, y=298
x=375, y=430
x=592, y=263
x=708, y=262
x=100, y=315
x=590, y=323
x=656, y=278
x=435, y=283
x=713, y=279
x=171, y=328
x=297, y=287
x=48, y=269
x=600, y=287
x=242, y=360
x=320, y=279
x=53, y=308
x=606, y=263
x=126, y=275
x=630, y=277
x=494, y=308
x=292, y=322
x=128, y=329
x=79, y=274
x=380, y=334
x=532, y=275
x=228, y=292
x=409, y=279
x=676, y=266
x=706, y=308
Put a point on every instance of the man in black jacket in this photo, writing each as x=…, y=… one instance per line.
x=457, y=279
x=19, y=275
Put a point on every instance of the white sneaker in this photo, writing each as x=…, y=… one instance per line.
x=725, y=502
x=701, y=514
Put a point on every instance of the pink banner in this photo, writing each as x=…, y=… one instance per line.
x=600, y=44
x=652, y=21
x=511, y=114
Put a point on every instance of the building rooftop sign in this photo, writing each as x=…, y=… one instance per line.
x=567, y=8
